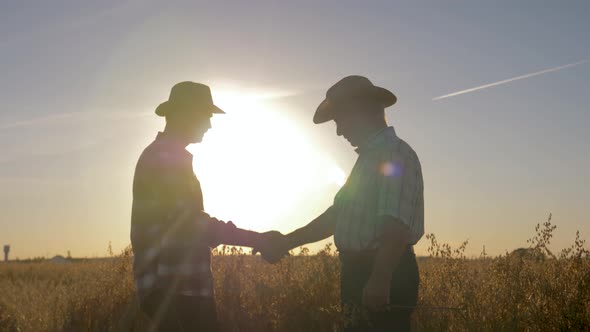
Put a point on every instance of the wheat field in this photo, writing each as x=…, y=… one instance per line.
x=527, y=290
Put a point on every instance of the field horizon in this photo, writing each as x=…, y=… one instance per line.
x=533, y=289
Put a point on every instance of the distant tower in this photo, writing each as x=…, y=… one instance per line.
x=6, y=251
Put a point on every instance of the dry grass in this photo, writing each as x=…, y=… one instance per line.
x=534, y=290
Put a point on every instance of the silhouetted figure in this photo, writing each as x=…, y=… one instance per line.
x=376, y=217
x=6, y=252
x=171, y=235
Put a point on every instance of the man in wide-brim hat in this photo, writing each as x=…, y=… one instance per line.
x=376, y=217
x=171, y=235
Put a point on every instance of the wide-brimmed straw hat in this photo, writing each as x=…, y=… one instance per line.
x=351, y=88
x=188, y=97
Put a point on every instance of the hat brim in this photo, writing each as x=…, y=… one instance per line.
x=324, y=112
x=216, y=110
x=327, y=110
x=166, y=107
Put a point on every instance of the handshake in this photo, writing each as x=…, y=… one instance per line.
x=272, y=246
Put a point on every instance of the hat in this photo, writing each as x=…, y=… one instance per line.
x=351, y=88
x=188, y=97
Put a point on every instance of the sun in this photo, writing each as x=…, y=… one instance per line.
x=255, y=166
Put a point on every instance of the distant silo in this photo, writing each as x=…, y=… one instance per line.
x=6, y=251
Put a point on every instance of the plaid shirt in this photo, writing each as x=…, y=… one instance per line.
x=171, y=236
x=385, y=181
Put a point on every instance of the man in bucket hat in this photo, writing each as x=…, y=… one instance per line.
x=171, y=235
x=376, y=217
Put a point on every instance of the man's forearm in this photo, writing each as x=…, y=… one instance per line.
x=241, y=237
x=228, y=233
x=393, y=243
x=318, y=229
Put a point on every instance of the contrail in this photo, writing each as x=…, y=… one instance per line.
x=512, y=79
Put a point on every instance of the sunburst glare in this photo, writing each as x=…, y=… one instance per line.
x=255, y=165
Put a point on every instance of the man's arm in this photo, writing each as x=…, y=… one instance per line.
x=318, y=229
x=275, y=245
x=228, y=233
x=213, y=231
x=393, y=242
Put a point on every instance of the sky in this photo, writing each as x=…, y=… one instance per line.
x=80, y=82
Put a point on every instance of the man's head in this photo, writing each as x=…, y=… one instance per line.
x=356, y=106
x=188, y=111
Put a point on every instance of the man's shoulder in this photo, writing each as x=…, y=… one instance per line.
x=159, y=155
x=398, y=148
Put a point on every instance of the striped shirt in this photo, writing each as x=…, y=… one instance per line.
x=385, y=181
x=171, y=236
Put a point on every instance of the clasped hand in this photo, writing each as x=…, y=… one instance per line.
x=272, y=246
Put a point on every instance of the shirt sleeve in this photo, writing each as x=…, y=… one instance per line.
x=397, y=187
x=197, y=226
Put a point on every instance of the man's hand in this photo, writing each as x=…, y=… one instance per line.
x=272, y=246
x=376, y=293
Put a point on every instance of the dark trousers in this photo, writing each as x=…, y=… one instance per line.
x=180, y=313
x=356, y=268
